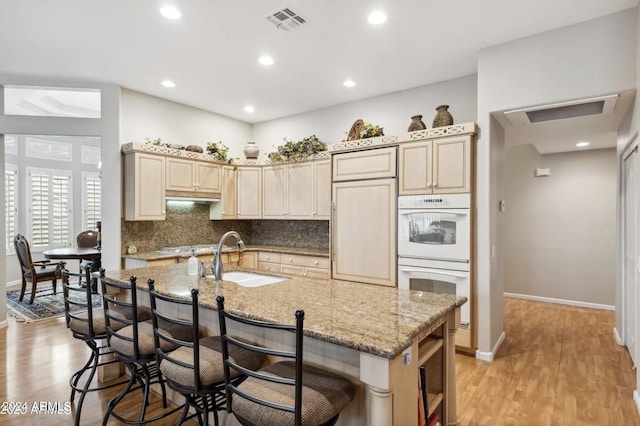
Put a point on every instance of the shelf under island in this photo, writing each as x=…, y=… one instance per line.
x=376, y=336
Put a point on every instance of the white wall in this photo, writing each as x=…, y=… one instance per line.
x=144, y=116
x=393, y=112
x=584, y=60
x=560, y=230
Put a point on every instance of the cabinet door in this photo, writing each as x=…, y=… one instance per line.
x=369, y=164
x=322, y=190
x=144, y=187
x=300, y=191
x=415, y=168
x=274, y=192
x=180, y=175
x=228, y=193
x=364, y=231
x=452, y=165
x=207, y=177
x=249, y=259
x=249, y=192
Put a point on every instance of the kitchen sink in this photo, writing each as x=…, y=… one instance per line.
x=249, y=279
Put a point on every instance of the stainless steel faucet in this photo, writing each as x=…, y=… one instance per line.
x=216, y=265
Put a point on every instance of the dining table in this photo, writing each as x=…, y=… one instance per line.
x=80, y=253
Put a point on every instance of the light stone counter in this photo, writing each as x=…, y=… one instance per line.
x=159, y=255
x=369, y=333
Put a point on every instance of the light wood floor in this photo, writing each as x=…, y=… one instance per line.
x=559, y=365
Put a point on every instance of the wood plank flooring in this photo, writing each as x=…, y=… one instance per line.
x=559, y=365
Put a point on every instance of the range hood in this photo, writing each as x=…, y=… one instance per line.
x=196, y=197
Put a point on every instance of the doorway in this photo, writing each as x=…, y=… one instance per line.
x=630, y=226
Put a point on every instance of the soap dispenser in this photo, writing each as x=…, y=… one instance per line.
x=192, y=266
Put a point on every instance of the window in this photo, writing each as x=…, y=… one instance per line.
x=39, y=101
x=49, y=203
x=10, y=204
x=91, y=185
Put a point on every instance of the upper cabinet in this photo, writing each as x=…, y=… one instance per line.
x=184, y=175
x=249, y=190
x=370, y=164
x=144, y=186
x=297, y=191
x=439, y=166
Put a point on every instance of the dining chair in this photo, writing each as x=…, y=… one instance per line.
x=284, y=392
x=194, y=368
x=131, y=339
x=34, y=271
x=87, y=324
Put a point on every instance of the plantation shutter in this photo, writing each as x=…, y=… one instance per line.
x=11, y=205
x=50, y=208
x=91, y=192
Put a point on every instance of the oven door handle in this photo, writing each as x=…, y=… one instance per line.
x=436, y=211
x=434, y=271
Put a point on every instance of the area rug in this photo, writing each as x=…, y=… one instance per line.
x=46, y=305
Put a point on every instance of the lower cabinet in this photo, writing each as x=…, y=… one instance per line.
x=293, y=264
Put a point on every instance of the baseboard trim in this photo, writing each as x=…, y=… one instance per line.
x=636, y=399
x=4, y=324
x=616, y=336
x=489, y=356
x=562, y=301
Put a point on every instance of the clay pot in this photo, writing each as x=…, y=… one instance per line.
x=416, y=124
x=443, y=117
x=194, y=148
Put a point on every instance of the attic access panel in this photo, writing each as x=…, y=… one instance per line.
x=582, y=108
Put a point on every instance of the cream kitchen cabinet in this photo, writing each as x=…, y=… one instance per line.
x=364, y=231
x=440, y=166
x=322, y=190
x=185, y=175
x=369, y=164
x=297, y=191
x=249, y=193
x=226, y=208
x=144, y=186
x=294, y=264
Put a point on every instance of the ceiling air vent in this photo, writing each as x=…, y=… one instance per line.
x=285, y=19
x=583, y=108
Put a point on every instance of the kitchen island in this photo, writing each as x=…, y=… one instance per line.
x=374, y=335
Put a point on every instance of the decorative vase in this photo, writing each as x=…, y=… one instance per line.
x=194, y=148
x=416, y=124
x=443, y=117
x=251, y=151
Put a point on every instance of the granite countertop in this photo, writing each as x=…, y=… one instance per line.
x=374, y=319
x=158, y=255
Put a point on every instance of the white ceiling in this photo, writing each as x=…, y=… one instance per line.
x=211, y=52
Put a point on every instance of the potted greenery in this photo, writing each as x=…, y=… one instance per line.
x=297, y=151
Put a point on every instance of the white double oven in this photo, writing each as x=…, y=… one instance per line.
x=434, y=246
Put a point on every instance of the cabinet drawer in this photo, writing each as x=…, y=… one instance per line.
x=370, y=164
x=269, y=267
x=292, y=270
x=309, y=261
x=157, y=262
x=268, y=257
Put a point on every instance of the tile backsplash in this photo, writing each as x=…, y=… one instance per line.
x=187, y=225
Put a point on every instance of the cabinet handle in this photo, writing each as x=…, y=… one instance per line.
x=316, y=262
x=268, y=268
x=435, y=184
x=290, y=260
x=428, y=184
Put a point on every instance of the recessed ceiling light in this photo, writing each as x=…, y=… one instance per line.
x=349, y=83
x=376, y=18
x=249, y=108
x=582, y=144
x=265, y=60
x=170, y=12
x=168, y=83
